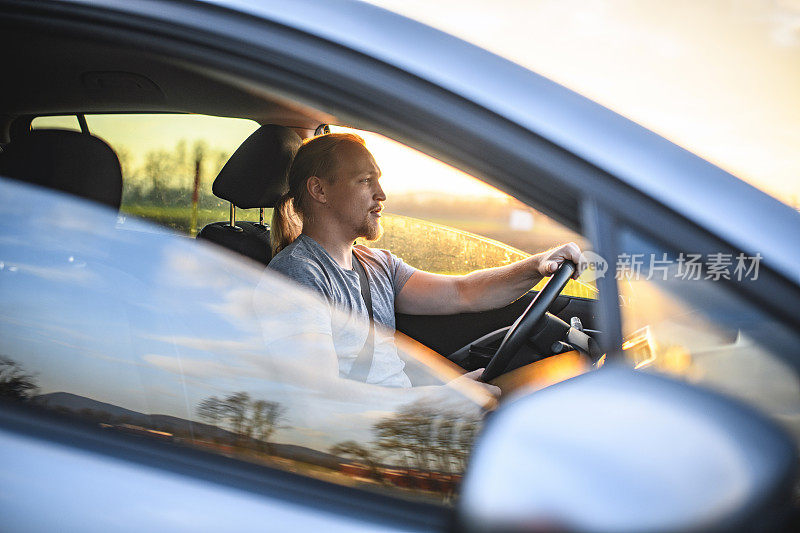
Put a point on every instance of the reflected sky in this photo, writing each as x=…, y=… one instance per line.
x=100, y=306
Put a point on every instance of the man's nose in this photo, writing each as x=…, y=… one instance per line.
x=379, y=195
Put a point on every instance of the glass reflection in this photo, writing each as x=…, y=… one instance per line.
x=700, y=331
x=157, y=335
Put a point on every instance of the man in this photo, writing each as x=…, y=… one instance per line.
x=334, y=198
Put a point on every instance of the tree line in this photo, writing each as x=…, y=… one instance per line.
x=417, y=437
x=164, y=177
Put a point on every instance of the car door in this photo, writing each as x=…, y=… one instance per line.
x=525, y=127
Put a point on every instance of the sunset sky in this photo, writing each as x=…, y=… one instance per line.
x=718, y=77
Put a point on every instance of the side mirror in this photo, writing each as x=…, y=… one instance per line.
x=618, y=450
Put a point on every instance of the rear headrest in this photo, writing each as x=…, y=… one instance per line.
x=69, y=161
x=257, y=173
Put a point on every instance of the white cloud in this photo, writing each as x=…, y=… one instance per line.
x=190, y=367
x=67, y=272
x=210, y=345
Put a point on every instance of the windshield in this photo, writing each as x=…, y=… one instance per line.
x=718, y=78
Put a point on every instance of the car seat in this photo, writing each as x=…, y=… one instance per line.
x=70, y=161
x=256, y=175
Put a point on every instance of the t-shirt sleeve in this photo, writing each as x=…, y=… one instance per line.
x=397, y=270
x=402, y=272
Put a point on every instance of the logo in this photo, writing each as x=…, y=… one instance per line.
x=594, y=267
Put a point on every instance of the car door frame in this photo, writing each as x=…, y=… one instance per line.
x=441, y=121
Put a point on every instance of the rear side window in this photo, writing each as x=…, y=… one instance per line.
x=69, y=122
x=169, y=163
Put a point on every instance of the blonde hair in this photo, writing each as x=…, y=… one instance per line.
x=317, y=156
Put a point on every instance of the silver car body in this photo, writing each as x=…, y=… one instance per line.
x=620, y=172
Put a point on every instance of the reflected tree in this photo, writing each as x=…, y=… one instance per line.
x=235, y=408
x=421, y=446
x=265, y=418
x=247, y=418
x=358, y=453
x=428, y=439
x=211, y=410
x=15, y=384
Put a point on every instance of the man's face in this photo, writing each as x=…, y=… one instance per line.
x=355, y=194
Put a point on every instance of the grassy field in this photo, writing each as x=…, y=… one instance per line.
x=179, y=218
x=445, y=250
x=435, y=246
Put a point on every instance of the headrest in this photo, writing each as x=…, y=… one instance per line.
x=69, y=161
x=257, y=173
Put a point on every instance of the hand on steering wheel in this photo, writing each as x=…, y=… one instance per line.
x=521, y=330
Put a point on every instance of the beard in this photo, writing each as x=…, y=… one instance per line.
x=371, y=229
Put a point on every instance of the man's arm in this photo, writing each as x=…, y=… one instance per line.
x=435, y=294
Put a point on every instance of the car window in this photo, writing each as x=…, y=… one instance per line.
x=68, y=122
x=680, y=317
x=169, y=162
x=151, y=334
x=442, y=220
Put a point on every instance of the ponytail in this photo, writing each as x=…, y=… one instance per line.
x=316, y=157
x=286, y=224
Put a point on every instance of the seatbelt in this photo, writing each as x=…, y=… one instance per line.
x=360, y=369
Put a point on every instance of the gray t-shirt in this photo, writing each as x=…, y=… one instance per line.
x=308, y=263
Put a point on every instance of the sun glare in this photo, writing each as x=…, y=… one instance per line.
x=718, y=78
x=408, y=170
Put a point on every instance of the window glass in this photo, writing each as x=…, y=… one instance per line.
x=150, y=334
x=69, y=122
x=169, y=163
x=679, y=317
x=442, y=220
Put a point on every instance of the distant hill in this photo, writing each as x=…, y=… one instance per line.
x=73, y=402
x=172, y=424
x=118, y=415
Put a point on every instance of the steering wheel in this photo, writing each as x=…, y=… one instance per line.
x=527, y=321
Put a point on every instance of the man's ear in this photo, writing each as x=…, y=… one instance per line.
x=316, y=189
